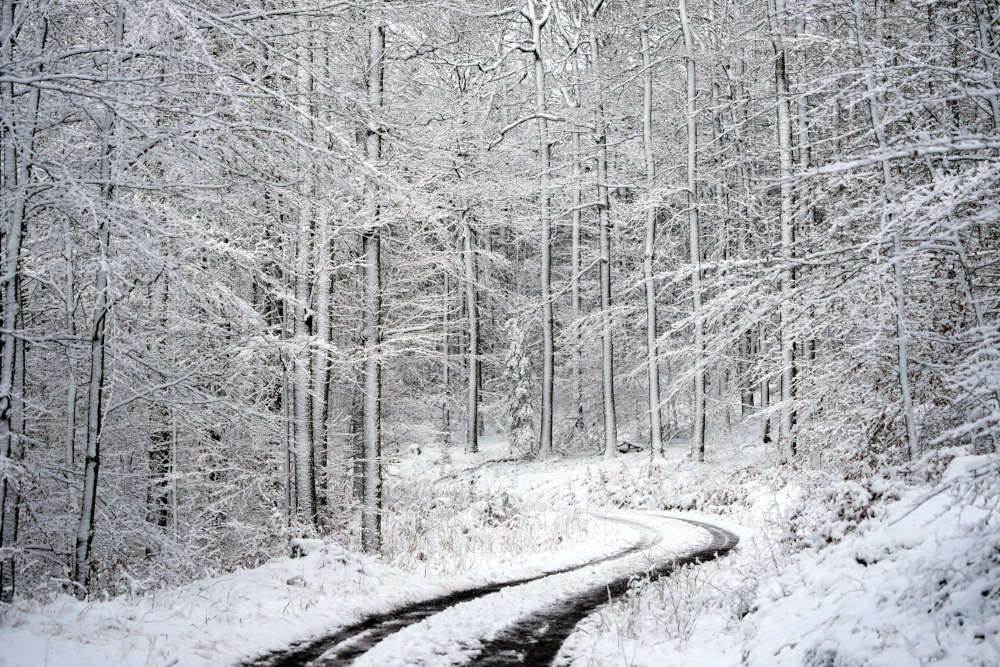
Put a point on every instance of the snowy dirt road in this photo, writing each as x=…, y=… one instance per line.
x=523, y=621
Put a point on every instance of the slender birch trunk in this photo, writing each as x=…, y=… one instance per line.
x=698, y=432
x=371, y=508
x=888, y=194
x=649, y=249
x=472, y=311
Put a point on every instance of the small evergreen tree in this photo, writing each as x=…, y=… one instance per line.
x=520, y=394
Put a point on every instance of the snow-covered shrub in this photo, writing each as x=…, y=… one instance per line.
x=838, y=511
x=458, y=525
x=520, y=400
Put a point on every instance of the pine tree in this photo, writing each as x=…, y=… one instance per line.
x=520, y=398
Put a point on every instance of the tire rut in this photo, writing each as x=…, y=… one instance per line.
x=345, y=645
x=536, y=639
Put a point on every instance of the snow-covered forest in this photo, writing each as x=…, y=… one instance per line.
x=413, y=287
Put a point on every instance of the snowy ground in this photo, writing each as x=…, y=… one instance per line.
x=827, y=572
x=249, y=612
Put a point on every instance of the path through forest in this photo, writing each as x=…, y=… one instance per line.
x=528, y=618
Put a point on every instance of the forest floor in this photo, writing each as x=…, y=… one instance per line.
x=901, y=569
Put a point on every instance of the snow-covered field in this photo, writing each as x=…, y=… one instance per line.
x=827, y=572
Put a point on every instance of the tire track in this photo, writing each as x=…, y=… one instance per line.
x=345, y=645
x=536, y=639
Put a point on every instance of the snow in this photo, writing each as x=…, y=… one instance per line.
x=828, y=572
x=916, y=585
x=247, y=613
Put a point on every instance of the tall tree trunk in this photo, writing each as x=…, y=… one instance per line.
x=302, y=399
x=786, y=438
x=649, y=249
x=371, y=508
x=446, y=365
x=537, y=22
x=888, y=194
x=472, y=310
x=305, y=479
x=13, y=228
x=16, y=158
x=694, y=233
x=322, y=336
x=604, y=222
x=578, y=423
x=321, y=360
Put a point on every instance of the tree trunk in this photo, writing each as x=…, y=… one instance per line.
x=321, y=362
x=545, y=167
x=649, y=249
x=11, y=507
x=371, y=508
x=604, y=222
x=578, y=423
x=786, y=438
x=16, y=157
x=698, y=432
x=305, y=479
x=472, y=310
x=302, y=398
x=446, y=366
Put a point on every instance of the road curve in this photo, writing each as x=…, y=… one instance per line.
x=532, y=639
x=536, y=639
x=346, y=644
